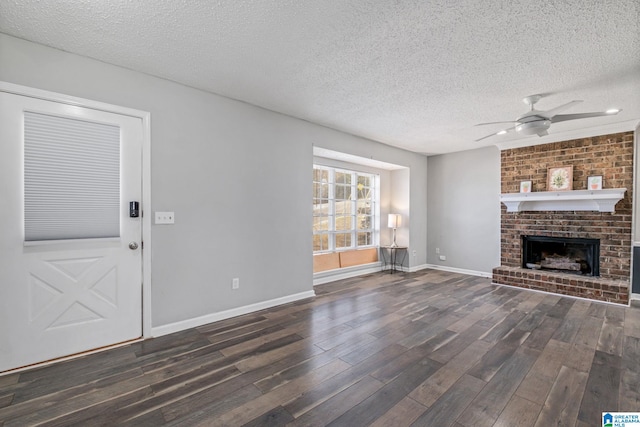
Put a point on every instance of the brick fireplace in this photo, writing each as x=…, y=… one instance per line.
x=610, y=156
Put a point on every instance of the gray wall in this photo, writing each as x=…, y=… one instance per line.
x=224, y=167
x=464, y=209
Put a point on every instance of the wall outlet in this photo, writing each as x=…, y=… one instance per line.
x=437, y=250
x=443, y=258
x=165, y=218
x=235, y=283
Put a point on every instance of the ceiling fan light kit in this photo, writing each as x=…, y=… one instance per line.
x=537, y=127
x=537, y=122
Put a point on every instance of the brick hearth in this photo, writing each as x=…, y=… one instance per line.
x=610, y=156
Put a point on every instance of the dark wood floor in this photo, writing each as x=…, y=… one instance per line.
x=425, y=349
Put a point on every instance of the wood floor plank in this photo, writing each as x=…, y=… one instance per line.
x=6, y=400
x=602, y=389
x=402, y=414
x=560, y=407
x=540, y=336
x=629, y=395
x=491, y=362
x=325, y=391
x=262, y=404
x=589, y=332
x=423, y=348
x=538, y=382
x=163, y=393
x=611, y=336
x=568, y=329
x=631, y=354
x=485, y=409
x=334, y=407
x=388, y=396
x=254, y=361
x=470, y=319
x=8, y=380
x=442, y=380
x=220, y=398
x=505, y=326
x=632, y=323
x=274, y=418
x=205, y=405
x=452, y=403
x=518, y=412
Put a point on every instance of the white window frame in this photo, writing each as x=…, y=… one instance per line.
x=374, y=180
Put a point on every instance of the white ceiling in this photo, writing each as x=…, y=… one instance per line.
x=416, y=74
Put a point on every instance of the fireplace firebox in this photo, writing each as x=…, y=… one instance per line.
x=561, y=254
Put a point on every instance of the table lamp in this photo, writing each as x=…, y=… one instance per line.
x=394, y=222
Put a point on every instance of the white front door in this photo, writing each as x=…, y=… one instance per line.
x=70, y=271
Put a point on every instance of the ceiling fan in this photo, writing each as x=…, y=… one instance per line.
x=536, y=122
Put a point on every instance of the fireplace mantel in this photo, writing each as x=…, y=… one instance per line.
x=577, y=200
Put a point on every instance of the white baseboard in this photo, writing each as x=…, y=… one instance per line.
x=460, y=270
x=417, y=268
x=215, y=317
x=345, y=273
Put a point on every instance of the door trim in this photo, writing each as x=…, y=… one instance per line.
x=145, y=116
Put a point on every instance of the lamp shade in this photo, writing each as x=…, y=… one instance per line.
x=394, y=221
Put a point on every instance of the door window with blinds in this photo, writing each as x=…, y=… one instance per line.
x=71, y=178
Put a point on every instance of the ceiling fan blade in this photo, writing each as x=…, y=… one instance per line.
x=565, y=117
x=493, y=123
x=484, y=137
x=550, y=113
x=542, y=133
x=500, y=132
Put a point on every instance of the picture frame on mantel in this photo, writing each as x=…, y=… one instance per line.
x=560, y=179
x=594, y=182
x=525, y=186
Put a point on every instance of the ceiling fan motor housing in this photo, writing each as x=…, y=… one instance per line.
x=533, y=127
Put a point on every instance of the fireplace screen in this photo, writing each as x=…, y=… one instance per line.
x=563, y=255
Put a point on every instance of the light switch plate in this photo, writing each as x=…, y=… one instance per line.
x=165, y=218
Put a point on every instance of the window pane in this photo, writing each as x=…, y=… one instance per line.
x=364, y=207
x=343, y=222
x=365, y=239
x=343, y=240
x=320, y=206
x=364, y=222
x=321, y=223
x=343, y=192
x=364, y=193
x=321, y=190
x=320, y=242
x=320, y=175
x=71, y=178
x=364, y=180
x=344, y=207
x=343, y=178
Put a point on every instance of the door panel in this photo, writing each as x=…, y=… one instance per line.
x=62, y=297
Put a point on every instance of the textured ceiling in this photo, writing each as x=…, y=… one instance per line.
x=415, y=74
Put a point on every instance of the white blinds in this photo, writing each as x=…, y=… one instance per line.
x=71, y=178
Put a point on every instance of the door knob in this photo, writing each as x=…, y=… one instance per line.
x=133, y=246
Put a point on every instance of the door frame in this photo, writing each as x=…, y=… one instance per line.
x=145, y=116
